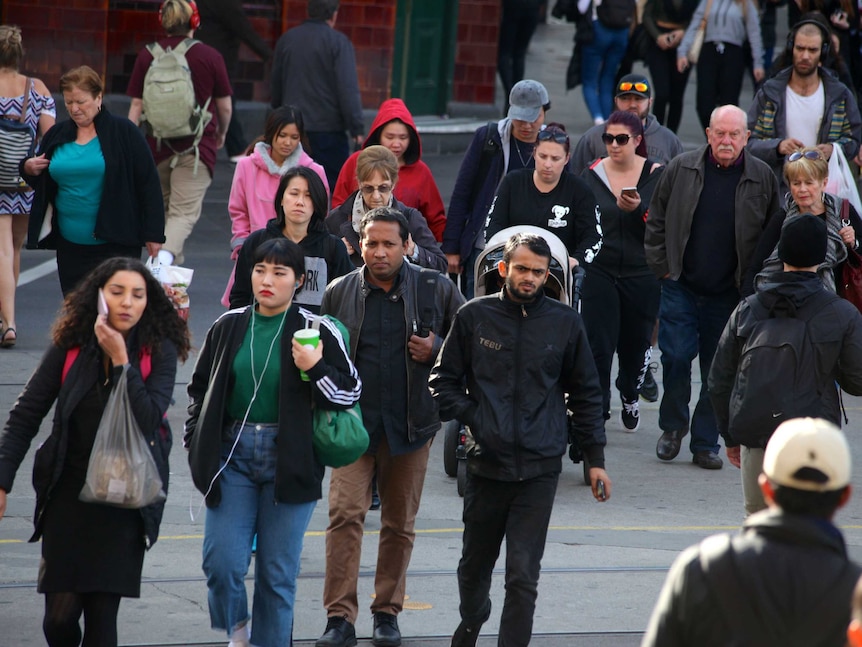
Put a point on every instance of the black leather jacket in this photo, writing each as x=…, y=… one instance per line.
x=345, y=299
x=517, y=363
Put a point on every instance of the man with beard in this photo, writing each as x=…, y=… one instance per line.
x=804, y=105
x=505, y=369
x=699, y=242
x=634, y=94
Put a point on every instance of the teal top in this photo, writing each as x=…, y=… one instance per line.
x=265, y=406
x=79, y=171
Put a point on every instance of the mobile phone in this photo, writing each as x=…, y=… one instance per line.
x=600, y=490
x=630, y=191
x=102, y=305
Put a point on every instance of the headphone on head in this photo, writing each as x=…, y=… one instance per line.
x=825, y=46
x=195, y=20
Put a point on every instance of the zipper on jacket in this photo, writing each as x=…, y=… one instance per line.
x=516, y=401
x=523, y=311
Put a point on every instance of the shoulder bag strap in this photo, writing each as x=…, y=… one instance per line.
x=28, y=86
x=706, y=14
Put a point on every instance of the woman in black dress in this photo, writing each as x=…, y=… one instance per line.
x=92, y=554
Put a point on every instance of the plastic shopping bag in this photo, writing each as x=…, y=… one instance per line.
x=841, y=181
x=176, y=281
x=122, y=472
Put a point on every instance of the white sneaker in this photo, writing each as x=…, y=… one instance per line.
x=241, y=637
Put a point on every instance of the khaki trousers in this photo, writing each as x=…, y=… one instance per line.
x=183, y=193
x=399, y=483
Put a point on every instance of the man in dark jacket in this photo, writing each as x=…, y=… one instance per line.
x=497, y=148
x=505, y=369
x=699, y=242
x=397, y=315
x=785, y=578
x=833, y=326
x=314, y=69
x=224, y=26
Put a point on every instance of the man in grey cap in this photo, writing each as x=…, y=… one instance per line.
x=497, y=148
x=785, y=578
x=634, y=94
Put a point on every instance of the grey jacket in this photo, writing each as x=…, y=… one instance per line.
x=674, y=202
x=345, y=299
x=662, y=145
x=841, y=123
x=726, y=23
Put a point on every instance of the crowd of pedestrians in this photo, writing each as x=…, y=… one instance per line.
x=703, y=245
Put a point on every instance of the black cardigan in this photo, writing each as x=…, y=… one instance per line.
x=131, y=211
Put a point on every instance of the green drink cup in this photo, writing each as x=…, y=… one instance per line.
x=307, y=337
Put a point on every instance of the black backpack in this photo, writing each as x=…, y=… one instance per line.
x=616, y=14
x=777, y=377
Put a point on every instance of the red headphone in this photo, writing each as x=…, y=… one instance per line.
x=195, y=20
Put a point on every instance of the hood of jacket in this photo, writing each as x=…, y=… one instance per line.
x=788, y=291
x=390, y=110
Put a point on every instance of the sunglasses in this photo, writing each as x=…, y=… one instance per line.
x=553, y=135
x=809, y=155
x=370, y=189
x=627, y=87
x=621, y=140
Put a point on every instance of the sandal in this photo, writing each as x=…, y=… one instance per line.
x=6, y=341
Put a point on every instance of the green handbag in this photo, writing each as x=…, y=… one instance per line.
x=340, y=437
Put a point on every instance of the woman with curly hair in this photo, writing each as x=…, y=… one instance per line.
x=92, y=554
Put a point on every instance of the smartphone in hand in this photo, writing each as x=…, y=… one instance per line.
x=630, y=191
x=600, y=490
x=102, y=305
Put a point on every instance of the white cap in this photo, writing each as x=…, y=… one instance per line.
x=808, y=454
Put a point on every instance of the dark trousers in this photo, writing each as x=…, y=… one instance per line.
x=517, y=25
x=619, y=315
x=330, y=149
x=235, y=142
x=668, y=86
x=75, y=261
x=719, y=78
x=520, y=512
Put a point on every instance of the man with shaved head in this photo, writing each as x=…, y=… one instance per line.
x=704, y=221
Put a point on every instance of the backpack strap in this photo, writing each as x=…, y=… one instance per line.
x=28, y=87
x=145, y=359
x=425, y=297
x=155, y=50
x=71, y=356
x=489, y=151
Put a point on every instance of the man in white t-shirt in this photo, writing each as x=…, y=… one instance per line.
x=804, y=104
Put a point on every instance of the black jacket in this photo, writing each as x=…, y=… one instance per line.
x=340, y=222
x=149, y=400
x=792, y=581
x=517, y=363
x=835, y=331
x=334, y=384
x=345, y=300
x=131, y=211
x=224, y=26
x=325, y=259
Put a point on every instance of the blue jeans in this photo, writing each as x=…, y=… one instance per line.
x=247, y=506
x=689, y=326
x=599, y=64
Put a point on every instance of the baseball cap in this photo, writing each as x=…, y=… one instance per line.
x=635, y=84
x=526, y=100
x=808, y=454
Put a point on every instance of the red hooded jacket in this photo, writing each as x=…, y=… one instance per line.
x=416, y=187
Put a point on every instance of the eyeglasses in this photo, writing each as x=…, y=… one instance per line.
x=621, y=140
x=809, y=155
x=627, y=87
x=370, y=189
x=554, y=135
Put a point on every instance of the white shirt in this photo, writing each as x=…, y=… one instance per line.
x=803, y=115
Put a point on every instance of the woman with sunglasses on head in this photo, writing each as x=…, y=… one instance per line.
x=620, y=295
x=806, y=172
x=300, y=209
x=377, y=175
x=249, y=436
x=550, y=197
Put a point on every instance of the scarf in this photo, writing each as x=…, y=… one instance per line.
x=359, y=209
x=262, y=149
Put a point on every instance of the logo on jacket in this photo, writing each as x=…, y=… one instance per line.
x=490, y=343
x=559, y=212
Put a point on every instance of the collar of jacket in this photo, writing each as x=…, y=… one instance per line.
x=524, y=309
x=397, y=290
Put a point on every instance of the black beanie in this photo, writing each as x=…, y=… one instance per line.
x=803, y=241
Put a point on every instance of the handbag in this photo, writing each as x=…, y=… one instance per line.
x=122, y=471
x=850, y=279
x=697, y=43
x=339, y=436
x=842, y=181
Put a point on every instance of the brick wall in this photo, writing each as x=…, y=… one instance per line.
x=108, y=34
x=476, y=51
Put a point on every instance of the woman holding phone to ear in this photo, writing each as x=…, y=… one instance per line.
x=620, y=295
x=92, y=554
x=249, y=437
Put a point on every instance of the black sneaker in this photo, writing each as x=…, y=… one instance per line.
x=649, y=388
x=339, y=633
x=630, y=415
x=465, y=636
